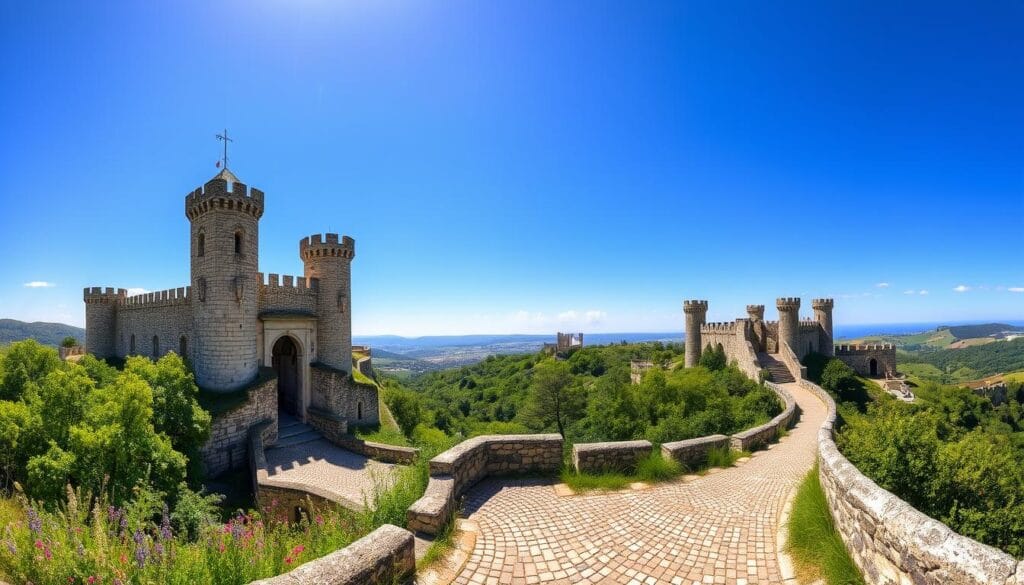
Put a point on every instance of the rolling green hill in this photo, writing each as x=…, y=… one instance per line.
x=45, y=333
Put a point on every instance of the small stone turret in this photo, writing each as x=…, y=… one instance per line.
x=330, y=261
x=224, y=216
x=823, y=315
x=696, y=313
x=100, y=319
x=755, y=312
x=789, y=321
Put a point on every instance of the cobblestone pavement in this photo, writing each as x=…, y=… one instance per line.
x=719, y=528
x=347, y=477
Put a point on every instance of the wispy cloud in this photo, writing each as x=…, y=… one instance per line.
x=1016, y=289
x=137, y=291
x=882, y=285
x=39, y=284
x=595, y=316
x=961, y=288
x=922, y=292
x=911, y=291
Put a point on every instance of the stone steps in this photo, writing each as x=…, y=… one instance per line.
x=780, y=373
x=293, y=440
x=291, y=432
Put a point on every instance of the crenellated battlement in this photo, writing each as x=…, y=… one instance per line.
x=756, y=311
x=218, y=193
x=809, y=324
x=296, y=283
x=172, y=296
x=695, y=306
x=719, y=327
x=787, y=303
x=99, y=294
x=823, y=304
x=327, y=245
x=864, y=347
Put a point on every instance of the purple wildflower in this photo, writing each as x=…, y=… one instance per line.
x=237, y=527
x=124, y=523
x=165, y=525
x=35, y=523
x=11, y=547
x=140, y=548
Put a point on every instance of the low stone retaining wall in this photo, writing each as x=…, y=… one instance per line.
x=226, y=449
x=385, y=556
x=694, y=452
x=379, y=451
x=283, y=502
x=459, y=468
x=610, y=456
x=889, y=540
x=761, y=435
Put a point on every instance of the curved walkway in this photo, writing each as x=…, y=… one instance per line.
x=719, y=528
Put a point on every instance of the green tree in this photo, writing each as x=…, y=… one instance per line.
x=406, y=407
x=23, y=361
x=713, y=358
x=69, y=342
x=554, y=399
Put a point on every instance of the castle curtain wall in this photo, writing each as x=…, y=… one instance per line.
x=167, y=321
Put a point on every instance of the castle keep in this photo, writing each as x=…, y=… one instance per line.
x=231, y=320
x=778, y=346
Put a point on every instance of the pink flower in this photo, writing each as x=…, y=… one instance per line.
x=91, y=579
x=298, y=550
x=39, y=544
x=287, y=560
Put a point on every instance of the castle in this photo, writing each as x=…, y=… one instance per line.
x=231, y=321
x=778, y=346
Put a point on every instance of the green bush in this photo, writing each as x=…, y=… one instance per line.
x=814, y=544
x=656, y=468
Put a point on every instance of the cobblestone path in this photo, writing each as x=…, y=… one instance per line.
x=719, y=528
x=314, y=462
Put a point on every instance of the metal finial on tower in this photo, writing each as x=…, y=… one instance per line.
x=224, y=138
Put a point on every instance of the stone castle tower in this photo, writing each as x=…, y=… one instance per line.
x=225, y=218
x=330, y=262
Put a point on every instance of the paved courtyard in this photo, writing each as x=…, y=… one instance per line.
x=342, y=476
x=719, y=528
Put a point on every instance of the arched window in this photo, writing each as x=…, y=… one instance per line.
x=131, y=344
x=201, y=245
x=156, y=346
x=238, y=242
x=183, y=347
x=359, y=411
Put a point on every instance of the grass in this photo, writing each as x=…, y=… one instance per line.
x=652, y=469
x=218, y=403
x=443, y=542
x=814, y=544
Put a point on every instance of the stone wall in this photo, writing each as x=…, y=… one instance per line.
x=694, y=452
x=609, y=456
x=890, y=541
x=66, y=352
x=761, y=435
x=169, y=322
x=459, y=468
x=287, y=294
x=859, y=358
x=227, y=447
x=386, y=556
x=285, y=502
x=335, y=391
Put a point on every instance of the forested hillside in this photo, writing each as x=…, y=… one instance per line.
x=959, y=365
x=588, y=397
x=46, y=333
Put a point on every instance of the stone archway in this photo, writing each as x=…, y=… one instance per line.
x=873, y=367
x=285, y=361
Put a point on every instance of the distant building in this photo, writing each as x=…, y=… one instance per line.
x=564, y=343
x=993, y=388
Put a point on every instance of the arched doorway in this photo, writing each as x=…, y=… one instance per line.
x=873, y=367
x=286, y=363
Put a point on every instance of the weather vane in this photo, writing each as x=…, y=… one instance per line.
x=224, y=138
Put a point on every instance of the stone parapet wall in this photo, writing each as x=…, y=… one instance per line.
x=889, y=540
x=379, y=451
x=335, y=391
x=609, y=456
x=66, y=352
x=761, y=435
x=694, y=452
x=384, y=557
x=227, y=447
x=459, y=468
x=787, y=357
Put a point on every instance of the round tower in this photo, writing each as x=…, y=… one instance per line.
x=696, y=313
x=101, y=320
x=789, y=321
x=329, y=260
x=755, y=312
x=224, y=215
x=823, y=315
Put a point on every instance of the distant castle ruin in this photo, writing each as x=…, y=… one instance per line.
x=231, y=321
x=564, y=343
x=778, y=346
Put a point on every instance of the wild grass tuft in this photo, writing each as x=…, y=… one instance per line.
x=723, y=457
x=585, y=482
x=815, y=545
x=656, y=468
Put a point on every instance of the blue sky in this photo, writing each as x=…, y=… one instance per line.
x=528, y=166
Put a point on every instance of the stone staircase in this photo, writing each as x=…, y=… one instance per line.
x=292, y=432
x=780, y=373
